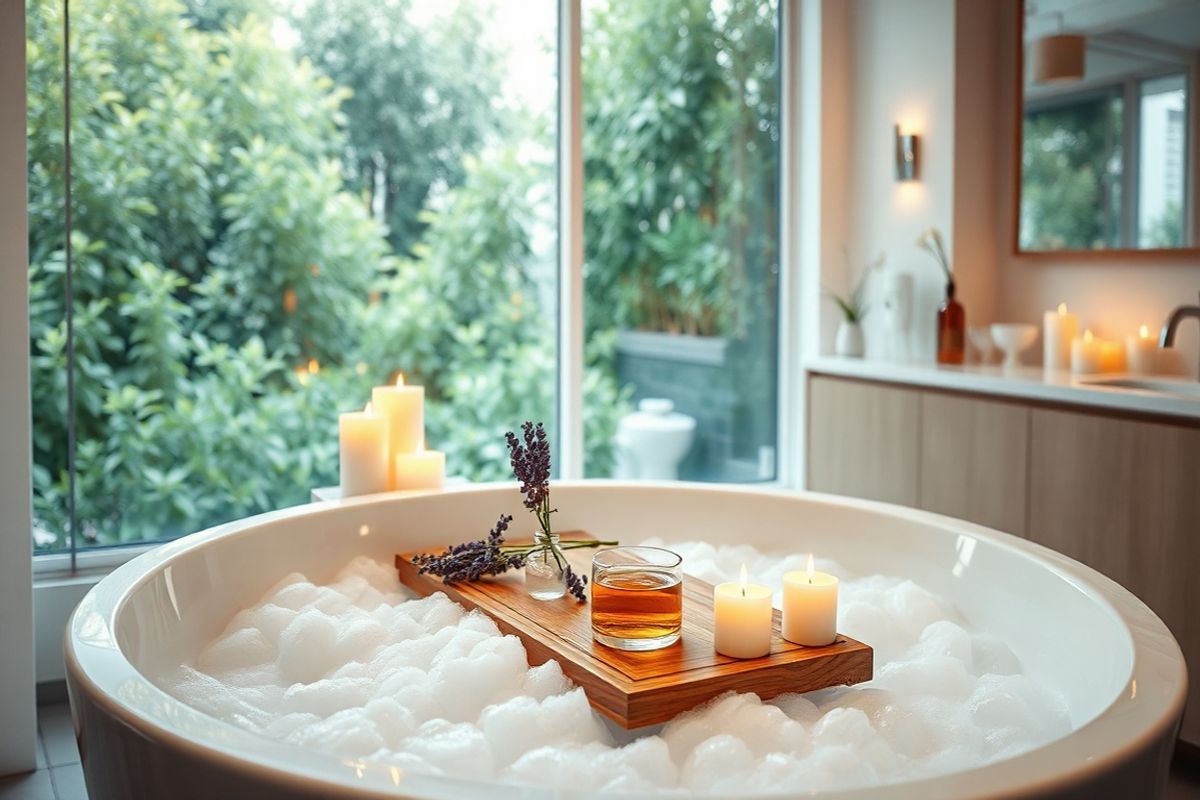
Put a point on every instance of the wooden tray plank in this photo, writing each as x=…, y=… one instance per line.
x=636, y=689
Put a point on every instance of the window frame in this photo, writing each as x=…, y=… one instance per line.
x=76, y=561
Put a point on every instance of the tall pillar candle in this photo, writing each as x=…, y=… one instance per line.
x=424, y=469
x=810, y=607
x=362, y=452
x=404, y=408
x=742, y=618
x=1059, y=329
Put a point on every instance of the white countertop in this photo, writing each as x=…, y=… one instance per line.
x=1030, y=383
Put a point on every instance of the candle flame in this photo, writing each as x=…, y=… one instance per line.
x=810, y=567
x=1144, y=332
x=1062, y=309
x=743, y=580
x=399, y=378
x=1087, y=335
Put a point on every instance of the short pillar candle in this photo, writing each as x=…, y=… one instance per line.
x=810, y=607
x=362, y=452
x=424, y=469
x=742, y=618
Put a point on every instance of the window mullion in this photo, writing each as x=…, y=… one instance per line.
x=570, y=241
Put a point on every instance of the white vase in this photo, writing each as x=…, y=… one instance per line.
x=897, y=312
x=849, y=340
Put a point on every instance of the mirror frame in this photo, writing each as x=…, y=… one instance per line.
x=1190, y=253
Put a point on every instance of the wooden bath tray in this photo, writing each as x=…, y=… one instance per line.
x=636, y=689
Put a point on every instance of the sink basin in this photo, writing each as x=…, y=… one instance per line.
x=1175, y=388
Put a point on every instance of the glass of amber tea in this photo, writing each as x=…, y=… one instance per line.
x=637, y=597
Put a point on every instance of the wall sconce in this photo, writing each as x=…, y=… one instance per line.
x=906, y=156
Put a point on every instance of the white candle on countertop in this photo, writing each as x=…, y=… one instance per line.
x=424, y=469
x=1059, y=329
x=742, y=618
x=404, y=408
x=1142, y=353
x=362, y=451
x=1090, y=355
x=810, y=607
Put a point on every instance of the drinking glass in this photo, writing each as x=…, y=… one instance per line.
x=637, y=597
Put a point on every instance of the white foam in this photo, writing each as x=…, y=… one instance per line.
x=360, y=669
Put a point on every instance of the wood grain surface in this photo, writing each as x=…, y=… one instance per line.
x=646, y=688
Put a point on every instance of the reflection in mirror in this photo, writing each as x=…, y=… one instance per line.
x=1109, y=125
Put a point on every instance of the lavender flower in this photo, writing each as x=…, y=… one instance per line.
x=470, y=561
x=531, y=465
x=576, y=584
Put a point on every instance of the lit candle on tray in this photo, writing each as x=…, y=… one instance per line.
x=362, y=451
x=810, y=607
x=1058, y=331
x=742, y=618
x=1142, y=353
x=1090, y=355
x=404, y=408
x=424, y=469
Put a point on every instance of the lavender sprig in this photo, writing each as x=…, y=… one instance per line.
x=576, y=584
x=531, y=467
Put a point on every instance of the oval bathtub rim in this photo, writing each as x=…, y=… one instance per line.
x=1157, y=712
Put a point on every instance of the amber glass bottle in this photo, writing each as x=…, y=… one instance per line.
x=952, y=329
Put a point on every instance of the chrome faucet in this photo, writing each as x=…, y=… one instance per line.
x=1167, y=337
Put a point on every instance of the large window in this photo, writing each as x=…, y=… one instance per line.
x=244, y=213
x=681, y=156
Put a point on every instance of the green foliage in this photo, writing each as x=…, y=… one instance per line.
x=243, y=207
x=680, y=133
x=420, y=98
x=219, y=244
x=1071, y=175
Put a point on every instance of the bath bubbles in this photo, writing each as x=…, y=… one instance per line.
x=361, y=669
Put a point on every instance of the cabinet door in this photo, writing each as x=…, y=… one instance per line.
x=862, y=440
x=973, y=460
x=1123, y=497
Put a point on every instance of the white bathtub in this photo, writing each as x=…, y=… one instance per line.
x=1115, y=662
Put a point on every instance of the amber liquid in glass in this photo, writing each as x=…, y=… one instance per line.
x=639, y=603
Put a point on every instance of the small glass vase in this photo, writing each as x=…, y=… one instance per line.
x=545, y=569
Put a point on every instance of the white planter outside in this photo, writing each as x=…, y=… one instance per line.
x=849, y=340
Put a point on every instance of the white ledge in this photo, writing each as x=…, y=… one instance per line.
x=1027, y=383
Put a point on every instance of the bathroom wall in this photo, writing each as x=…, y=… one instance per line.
x=1113, y=297
x=902, y=71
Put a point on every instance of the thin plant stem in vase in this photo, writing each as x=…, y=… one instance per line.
x=951, y=316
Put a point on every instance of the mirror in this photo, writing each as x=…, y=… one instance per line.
x=1108, y=130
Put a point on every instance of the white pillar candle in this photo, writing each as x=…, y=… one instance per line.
x=404, y=408
x=1090, y=355
x=1059, y=329
x=424, y=469
x=742, y=618
x=810, y=607
x=362, y=451
x=1142, y=353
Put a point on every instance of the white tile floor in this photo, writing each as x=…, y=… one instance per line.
x=60, y=777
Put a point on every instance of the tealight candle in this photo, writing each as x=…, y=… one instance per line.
x=1090, y=355
x=362, y=451
x=742, y=618
x=1142, y=353
x=404, y=408
x=424, y=469
x=1058, y=331
x=810, y=607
